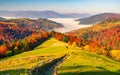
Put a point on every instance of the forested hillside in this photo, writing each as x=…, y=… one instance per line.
x=20, y=35
x=10, y=31
x=14, y=29
x=40, y=23
x=103, y=38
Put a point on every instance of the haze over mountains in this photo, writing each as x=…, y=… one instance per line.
x=41, y=14
x=67, y=24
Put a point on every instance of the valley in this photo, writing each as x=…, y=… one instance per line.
x=59, y=37
x=60, y=46
x=69, y=24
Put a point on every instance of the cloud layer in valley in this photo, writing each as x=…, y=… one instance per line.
x=69, y=24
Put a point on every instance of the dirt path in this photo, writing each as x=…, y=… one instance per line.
x=49, y=68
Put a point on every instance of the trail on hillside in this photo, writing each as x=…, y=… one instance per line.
x=48, y=68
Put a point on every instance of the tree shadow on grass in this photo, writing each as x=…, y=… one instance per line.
x=102, y=72
x=74, y=67
x=90, y=73
x=15, y=72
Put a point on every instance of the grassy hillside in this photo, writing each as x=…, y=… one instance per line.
x=23, y=62
x=84, y=63
x=80, y=61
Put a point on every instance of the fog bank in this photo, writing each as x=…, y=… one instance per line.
x=69, y=24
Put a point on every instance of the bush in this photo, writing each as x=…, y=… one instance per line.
x=87, y=47
x=65, y=38
x=115, y=54
x=74, y=44
x=9, y=53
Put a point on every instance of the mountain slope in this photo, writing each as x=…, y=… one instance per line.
x=2, y=19
x=80, y=61
x=40, y=23
x=85, y=63
x=30, y=14
x=10, y=31
x=99, y=18
x=103, y=38
x=14, y=29
x=96, y=28
x=76, y=15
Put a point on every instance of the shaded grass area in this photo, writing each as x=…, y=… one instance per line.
x=15, y=72
x=91, y=73
x=48, y=68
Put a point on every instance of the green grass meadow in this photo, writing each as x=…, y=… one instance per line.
x=80, y=62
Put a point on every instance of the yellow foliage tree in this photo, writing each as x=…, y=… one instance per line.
x=115, y=54
x=74, y=44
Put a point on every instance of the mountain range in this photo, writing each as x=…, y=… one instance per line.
x=41, y=14
x=2, y=19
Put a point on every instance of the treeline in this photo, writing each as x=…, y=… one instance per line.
x=22, y=45
x=70, y=39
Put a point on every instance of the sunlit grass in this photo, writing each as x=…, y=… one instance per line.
x=84, y=63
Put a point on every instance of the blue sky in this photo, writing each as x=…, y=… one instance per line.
x=63, y=6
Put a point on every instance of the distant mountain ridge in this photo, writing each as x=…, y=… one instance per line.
x=76, y=15
x=38, y=24
x=14, y=29
x=99, y=18
x=2, y=19
x=41, y=14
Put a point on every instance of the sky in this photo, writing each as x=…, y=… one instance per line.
x=63, y=6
